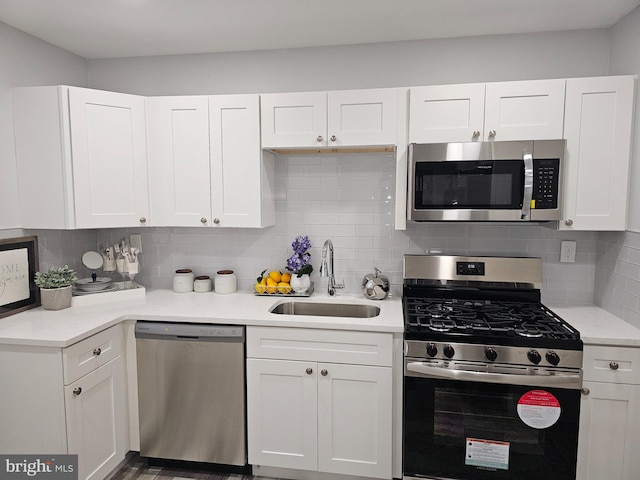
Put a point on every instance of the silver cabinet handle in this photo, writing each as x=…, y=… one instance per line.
x=333, y=138
x=309, y=371
x=97, y=351
x=613, y=365
x=77, y=391
x=216, y=221
x=492, y=133
x=143, y=220
x=586, y=391
x=319, y=138
x=476, y=134
x=323, y=372
x=203, y=220
x=568, y=222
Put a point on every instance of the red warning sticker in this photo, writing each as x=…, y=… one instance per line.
x=539, y=409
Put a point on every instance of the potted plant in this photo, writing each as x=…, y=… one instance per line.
x=55, y=287
x=299, y=264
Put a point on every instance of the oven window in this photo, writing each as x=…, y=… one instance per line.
x=441, y=416
x=469, y=184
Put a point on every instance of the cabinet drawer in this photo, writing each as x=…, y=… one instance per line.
x=364, y=348
x=611, y=364
x=91, y=353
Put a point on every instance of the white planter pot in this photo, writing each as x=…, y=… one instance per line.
x=56, y=298
x=300, y=284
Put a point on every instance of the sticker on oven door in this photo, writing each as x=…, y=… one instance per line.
x=538, y=409
x=487, y=454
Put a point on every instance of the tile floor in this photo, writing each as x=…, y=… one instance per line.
x=136, y=468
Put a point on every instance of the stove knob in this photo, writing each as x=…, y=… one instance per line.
x=534, y=356
x=449, y=352
x=552, y=357
x=432, y=350
x=491, y=354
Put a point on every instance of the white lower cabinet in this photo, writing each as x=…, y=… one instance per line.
x=70, y=400
x=316, y=415
x=610, y=414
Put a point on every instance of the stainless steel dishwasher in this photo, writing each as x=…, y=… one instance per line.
x=191, y=392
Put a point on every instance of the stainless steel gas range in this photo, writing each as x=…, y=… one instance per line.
x=492, y=377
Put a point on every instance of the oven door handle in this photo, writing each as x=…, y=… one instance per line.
x=559, y=380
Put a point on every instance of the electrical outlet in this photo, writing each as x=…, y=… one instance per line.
x=568, y=251
x=136, y=242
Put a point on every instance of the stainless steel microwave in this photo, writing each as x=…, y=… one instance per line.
x=486, y=181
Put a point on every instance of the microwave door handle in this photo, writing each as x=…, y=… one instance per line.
x=527, y=158
x=560, y=380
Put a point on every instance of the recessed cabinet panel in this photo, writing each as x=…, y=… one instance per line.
x=108, y=147
x=179, y=160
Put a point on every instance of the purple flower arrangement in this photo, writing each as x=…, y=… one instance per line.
x=299, y=262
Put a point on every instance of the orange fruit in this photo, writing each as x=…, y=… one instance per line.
x=285, y=277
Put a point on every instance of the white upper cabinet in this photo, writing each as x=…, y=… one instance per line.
x=528, y=110
x=81, y=157
x=446, y=113
x=206, y=164
x=598, y=130
x=179, y=174
x=349, y=118
x=242, y=175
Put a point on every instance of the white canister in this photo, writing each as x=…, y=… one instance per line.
x=202, y=284
x=183, y=281
x=226, y=281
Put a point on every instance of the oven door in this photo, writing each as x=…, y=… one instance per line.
x=467, y=428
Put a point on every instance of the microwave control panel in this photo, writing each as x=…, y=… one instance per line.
x=546, y=174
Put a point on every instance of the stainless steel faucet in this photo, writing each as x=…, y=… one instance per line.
x=326, y=269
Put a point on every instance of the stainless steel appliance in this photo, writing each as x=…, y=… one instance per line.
x=191, y=392
x=492, y=378
x=486, y=181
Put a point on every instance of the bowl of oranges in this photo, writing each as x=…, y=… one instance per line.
x=275, y=282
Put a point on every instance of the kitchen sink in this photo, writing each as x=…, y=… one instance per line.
x=326, y=309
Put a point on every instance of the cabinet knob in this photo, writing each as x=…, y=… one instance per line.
x=77, y=391
x=203, y=220
x=492, y=133
x=586, y=391
x=476, y=134
x=613, y=365
x=319, y=138
x=143, y=220
x=333, y=138
x=216, y=221
x=323, y=372
x=309, y=371
x=568, y=222
x=97, y=351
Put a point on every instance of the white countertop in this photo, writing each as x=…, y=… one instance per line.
x=39, y=327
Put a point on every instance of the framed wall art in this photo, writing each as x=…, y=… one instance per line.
x=18, y=265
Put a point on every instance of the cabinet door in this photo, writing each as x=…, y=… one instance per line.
x=294, y=119
x=531, y=110
x=598, y=126
x=609, y=437
x=97, y=420
x=109, y=156
x=446, y=113
x=362, y=117
x=282, y=413
x=179, y=177
x=354, y=420
x=237, y=187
